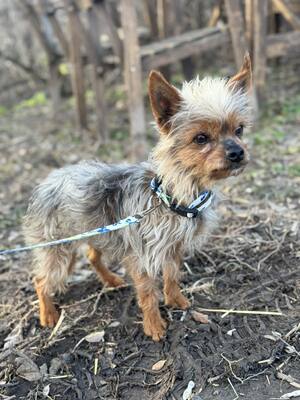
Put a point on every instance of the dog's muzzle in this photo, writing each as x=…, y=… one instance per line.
x=233, y=152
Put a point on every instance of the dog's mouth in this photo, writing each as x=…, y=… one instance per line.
x=232, y=169
x=237, y=167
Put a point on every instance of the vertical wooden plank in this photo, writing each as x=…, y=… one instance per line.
x=249, y=24
x=95, y=53
x=133, y=79
x=38, y=22
x=260, y=9
x=106, y=18
x=166, y=25
x=150, y=7
x=188, y=64
x=76, y=65
x=215, y=14
x=236, y=26
x=48, y=10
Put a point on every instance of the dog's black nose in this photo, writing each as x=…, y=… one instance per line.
x=233, y=151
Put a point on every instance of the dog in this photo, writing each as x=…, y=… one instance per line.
x=200, y=143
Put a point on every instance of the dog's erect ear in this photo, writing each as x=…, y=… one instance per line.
x=243, y=79
x=164, y=98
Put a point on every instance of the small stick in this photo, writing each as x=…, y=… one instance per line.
x=96, y=365
x=252, y=312
x=235, y=392
x=292, y=331
x=227, y=313
x=92, y=296
x=58, y=324
x=288, y=378
x=60, y=376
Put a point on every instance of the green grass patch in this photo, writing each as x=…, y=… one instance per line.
x=294, y=170
x=260, y=139
x=119, y=135
x=3, y=111
x=277, y=168
x=38, y=99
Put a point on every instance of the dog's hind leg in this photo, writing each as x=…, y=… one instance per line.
x=105, y=276
x=52, y=268
x=48, y=313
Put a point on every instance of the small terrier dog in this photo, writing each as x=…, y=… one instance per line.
x=200, y=142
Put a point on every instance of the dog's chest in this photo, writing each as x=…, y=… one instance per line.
x=198, y=229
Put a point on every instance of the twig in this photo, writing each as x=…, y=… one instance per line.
x=96, y=365
x=107, y=289
x=292, y=331
x=288, y=378
x=235, y=392
x=58, y=324
x=232, y=362
x=272, y=252
x=251, y=312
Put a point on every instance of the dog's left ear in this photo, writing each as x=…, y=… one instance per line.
x=164, y=98
x=243, y=79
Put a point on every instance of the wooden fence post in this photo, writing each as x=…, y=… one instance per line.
x=49, y=10
x=77, y=66
x=53, y=56
x=105, y=14
x=260, y=9
x=133, y=79
x=236, y=26
x=249, y=24
x=91, y=38
x=239, y=43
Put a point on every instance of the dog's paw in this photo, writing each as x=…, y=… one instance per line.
x=155, y=328
x=49, y=318
x=177, y=300
x=115, y=280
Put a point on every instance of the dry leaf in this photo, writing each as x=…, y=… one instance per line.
x=27, y=369
x=158, y=365
x=55, y=365
x=114, y=324
x=200, y=317
x=95, y=337
x=46, y=390
x=290, y=395
x=14, y=337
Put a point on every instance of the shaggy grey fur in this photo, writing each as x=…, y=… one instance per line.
x=91, y=194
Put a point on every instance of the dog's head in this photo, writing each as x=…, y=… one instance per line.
x=201, y=126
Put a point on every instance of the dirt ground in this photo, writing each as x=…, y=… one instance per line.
x=250, y=263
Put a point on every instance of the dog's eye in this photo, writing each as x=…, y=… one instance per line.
x=201, y=138
x=239, y=131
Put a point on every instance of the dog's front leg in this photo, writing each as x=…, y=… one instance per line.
x=148, y=300
x=172, y=293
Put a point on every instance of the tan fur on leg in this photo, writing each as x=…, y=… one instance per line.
x=48, y=313
x=172, y=293
x=148, y=300
x=106, y=276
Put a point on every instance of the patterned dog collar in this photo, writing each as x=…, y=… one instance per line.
x=202, y=202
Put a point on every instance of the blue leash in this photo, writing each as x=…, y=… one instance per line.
x=123, y=223
x=195, y=208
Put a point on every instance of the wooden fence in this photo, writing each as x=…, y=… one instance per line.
x=79, y=45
